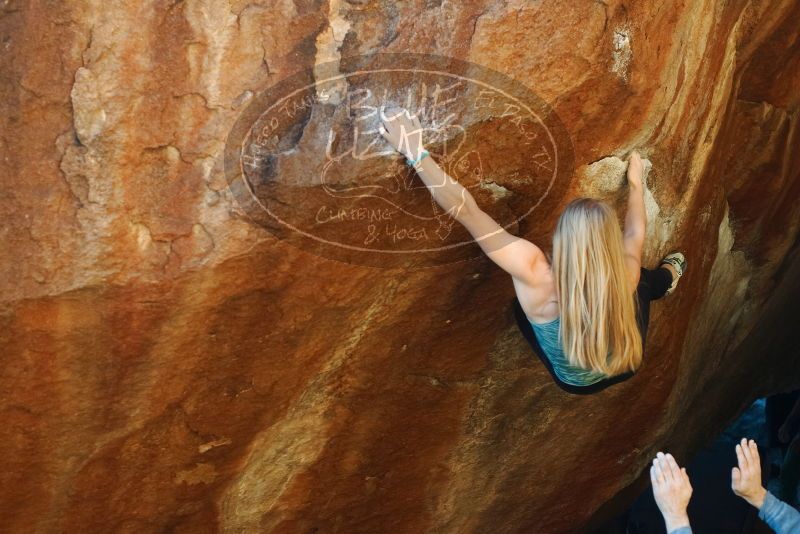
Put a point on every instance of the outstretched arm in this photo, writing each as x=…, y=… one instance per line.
x=636, y=217
x=513, y=254
x=746, y=483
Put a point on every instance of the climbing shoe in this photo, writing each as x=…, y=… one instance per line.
x=677, y=260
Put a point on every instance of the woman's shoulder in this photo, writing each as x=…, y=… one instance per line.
x=539, y=300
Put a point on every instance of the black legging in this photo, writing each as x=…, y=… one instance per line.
x=653, y=284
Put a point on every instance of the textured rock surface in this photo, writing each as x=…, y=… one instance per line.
x=167, y=365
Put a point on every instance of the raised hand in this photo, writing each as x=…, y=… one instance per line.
x=402, y=130
x=746, y=479
x=635, y=169
x=671, y=489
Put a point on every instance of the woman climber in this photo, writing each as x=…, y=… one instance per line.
x=585, y=313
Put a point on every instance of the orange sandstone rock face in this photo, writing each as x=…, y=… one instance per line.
x=171, y=363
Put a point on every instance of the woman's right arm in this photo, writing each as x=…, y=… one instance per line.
x=636, y=217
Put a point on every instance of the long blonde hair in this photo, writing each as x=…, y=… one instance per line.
x=597, y=305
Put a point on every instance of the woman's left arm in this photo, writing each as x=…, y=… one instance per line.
x=515, y=255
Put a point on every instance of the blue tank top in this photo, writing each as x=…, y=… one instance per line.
x=547, y=335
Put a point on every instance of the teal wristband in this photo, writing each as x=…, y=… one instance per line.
x=422, y=155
